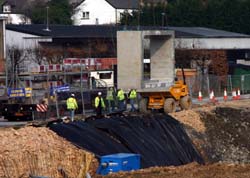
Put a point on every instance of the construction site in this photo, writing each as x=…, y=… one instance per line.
x=172, y=134
x=218, y=134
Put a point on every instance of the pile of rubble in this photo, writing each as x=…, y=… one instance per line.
x=31, y=151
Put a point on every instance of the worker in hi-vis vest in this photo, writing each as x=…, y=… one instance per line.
x=121, y=99
x=72, y=106
x=132, y=99
x=99, y=104
x=111, y=99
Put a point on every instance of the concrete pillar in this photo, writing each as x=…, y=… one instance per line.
x=129, y=62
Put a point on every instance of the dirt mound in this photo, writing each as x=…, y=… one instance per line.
x=190, y=118
x=40, y=152
x=221, y=132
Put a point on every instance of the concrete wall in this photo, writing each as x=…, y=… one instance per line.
x=130, y=48
x=212, y=43
x=129, y=59
x=162, y=63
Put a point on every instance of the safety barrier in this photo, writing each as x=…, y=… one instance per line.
x=41, y=107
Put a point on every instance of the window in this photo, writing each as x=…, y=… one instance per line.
x=96, y=21
x=106, y=75
x=6, y=8
x=85, y=15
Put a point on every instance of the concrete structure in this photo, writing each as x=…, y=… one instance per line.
x=129, y=62
x=130, y=55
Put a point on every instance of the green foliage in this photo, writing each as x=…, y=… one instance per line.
x=59, y=12
x=150, y=14
x=230, y=15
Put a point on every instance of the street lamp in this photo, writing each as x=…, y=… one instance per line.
x=163, y=18
x=47, y=19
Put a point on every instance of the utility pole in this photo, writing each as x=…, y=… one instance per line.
x=83, y=107
x=139, y=15
x=163, y=19
x=47, y=19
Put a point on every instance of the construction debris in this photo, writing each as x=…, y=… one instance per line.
x=31, y=151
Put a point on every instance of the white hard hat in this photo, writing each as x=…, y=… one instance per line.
x=72, y=94
x=99, y=93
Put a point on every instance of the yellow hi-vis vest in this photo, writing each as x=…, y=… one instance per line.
x=132, y=94
x=120, y=95
x=97, y=102
x=71, y=103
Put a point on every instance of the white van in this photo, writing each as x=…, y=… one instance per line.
x=105, y=78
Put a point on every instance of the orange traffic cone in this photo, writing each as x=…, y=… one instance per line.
x=211, y=96
x=225, y=94
x=238, y=93
x=200, y=96
x=234, y=95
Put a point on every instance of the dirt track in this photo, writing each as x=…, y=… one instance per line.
x=220, y=133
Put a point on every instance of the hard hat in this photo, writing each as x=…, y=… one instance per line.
x=99, y=93
x=72, y=94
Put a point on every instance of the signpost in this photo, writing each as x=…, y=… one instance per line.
x=19, y=92
x=58, y=89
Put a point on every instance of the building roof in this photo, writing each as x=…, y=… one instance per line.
x=124, y=4
x=118, y=4
x=66, y=31
x=108, y=31
x=204, y=32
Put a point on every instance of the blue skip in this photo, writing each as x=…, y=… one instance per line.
x=118, y=162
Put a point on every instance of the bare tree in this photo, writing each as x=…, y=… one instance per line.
x=52, y=55
x=37, y=55
x=15, y=56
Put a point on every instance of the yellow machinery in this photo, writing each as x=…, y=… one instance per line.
x=155, y=98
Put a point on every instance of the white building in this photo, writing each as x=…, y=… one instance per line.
x=13, y=18
x=90, y=12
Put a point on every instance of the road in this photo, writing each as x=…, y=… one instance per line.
x=6, y=123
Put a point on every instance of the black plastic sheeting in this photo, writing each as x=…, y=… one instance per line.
x=159, y=139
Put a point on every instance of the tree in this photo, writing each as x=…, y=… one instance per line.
x=186, y=13
x=149, y=14
x=59, y=12
x=15, y=56
x=233, y=15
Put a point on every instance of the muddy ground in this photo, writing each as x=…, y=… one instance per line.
x=220, y=132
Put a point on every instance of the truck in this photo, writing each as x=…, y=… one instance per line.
x=165, y=98
x=161, y=89
x=17, y=105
